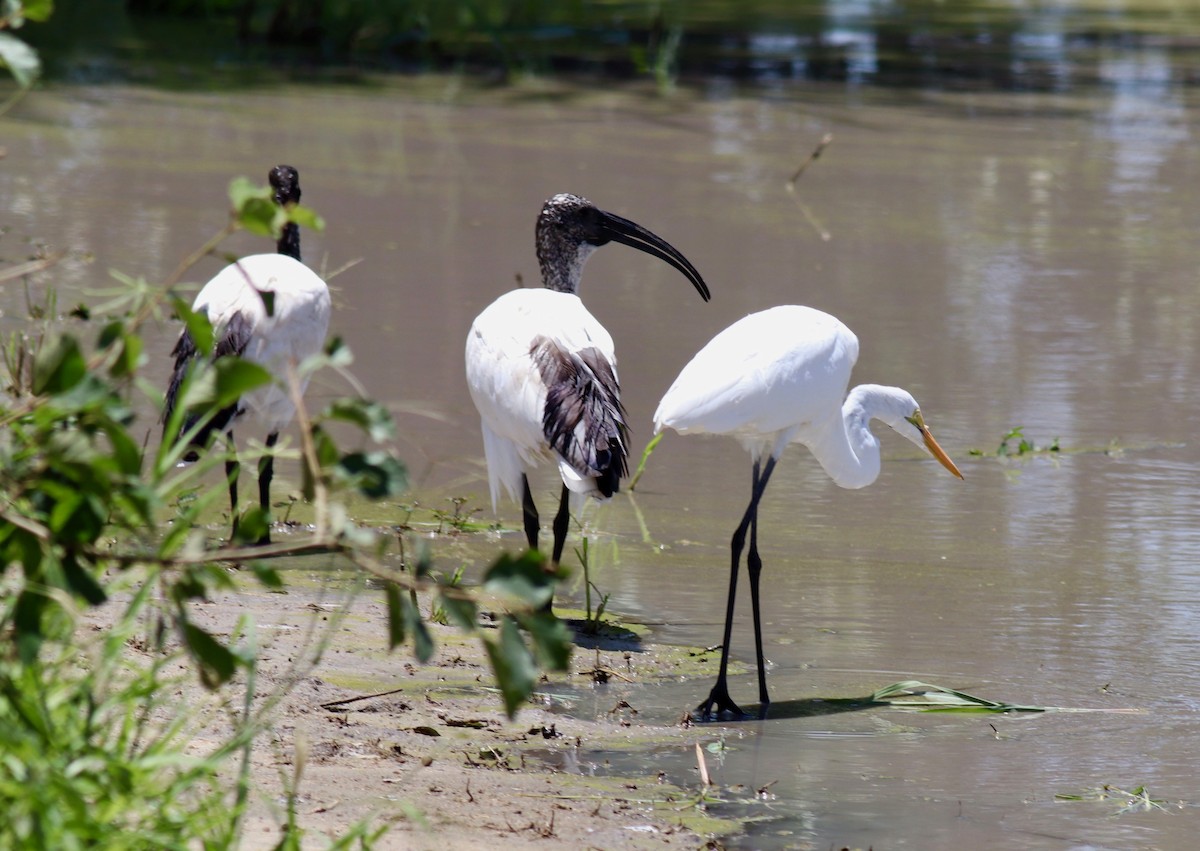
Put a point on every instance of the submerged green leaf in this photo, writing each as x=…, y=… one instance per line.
x=935, y=698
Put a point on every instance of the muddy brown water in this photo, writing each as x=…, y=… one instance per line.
x=1014, y=260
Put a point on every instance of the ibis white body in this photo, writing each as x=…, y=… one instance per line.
x=295, y=329
x=542, y=372
x=509, y=389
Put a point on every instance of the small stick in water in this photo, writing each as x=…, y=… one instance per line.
x=825, y=140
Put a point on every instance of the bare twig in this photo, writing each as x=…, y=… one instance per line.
x=333, y=704
x=702, y=766
x=23, y=269
x=825, y=140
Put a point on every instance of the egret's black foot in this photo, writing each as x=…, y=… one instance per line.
x=719, y=706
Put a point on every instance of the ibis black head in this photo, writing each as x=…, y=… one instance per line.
x=285, y=180
x=570, y=228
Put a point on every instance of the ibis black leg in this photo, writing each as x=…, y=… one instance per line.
x=531, y=515
x=719, y=698
x=561, y=522
x=266, y=472
x=232, y=470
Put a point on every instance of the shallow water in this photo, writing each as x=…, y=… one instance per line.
x=1012, y=259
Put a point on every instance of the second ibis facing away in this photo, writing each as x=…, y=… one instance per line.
x=774, y=378
x=542, y=371
x=294, y=329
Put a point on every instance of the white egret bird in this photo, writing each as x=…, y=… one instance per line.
x=774, y=378
x=542, y=370
x=293, y=330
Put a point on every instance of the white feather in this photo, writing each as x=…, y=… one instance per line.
x=507, y=387
x=295, y=330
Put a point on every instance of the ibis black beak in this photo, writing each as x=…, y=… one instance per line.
x=634, y=235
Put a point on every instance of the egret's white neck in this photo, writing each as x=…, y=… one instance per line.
x=846, y=448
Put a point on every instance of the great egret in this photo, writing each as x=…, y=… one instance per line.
x=542, y=371
x=294, y=330
x=774, y=378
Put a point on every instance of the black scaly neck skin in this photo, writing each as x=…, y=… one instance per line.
x=568, y=231
x=285, y=180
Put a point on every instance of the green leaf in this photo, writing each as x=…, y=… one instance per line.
x=403, y=617
x=129, y=356
x=268, y=300
x=21, y=59
x=552, y=641
x=376, y=475
x=338, y=352
x=371, y=417
x=215, y=661
x=523, y=578
x=37, y=10
x=58, y=366
x=257, y=215
x=125, y=451
x=243, y=191
x=422, y=640
x=395, y=611
x=235, y=377
x=81, y=582
x=513, y=665
x=327, y=456
x=253, y=526
x=461, y=612
x=197, y=325
x=27, y=620
x=935, y=698
x=268, y=576
x=305, y=217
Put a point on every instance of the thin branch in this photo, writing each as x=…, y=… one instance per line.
x=343, y=702
x=813, y=157
x=23, y=269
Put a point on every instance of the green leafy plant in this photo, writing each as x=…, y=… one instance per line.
x=19, y=58
x=1014, y=442
x=83, y=508
x=1137, y=800
x=590, y=625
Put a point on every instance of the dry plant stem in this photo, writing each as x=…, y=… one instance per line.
x=333, y=704
x=702, y=766
x=41, y=264
x=13, y=99
x=825, y=140
x=320, y=495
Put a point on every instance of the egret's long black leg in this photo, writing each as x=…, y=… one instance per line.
x=561, y=521
x=266, y=472
x=719, y=696
x=531, y=514
x=753, y=570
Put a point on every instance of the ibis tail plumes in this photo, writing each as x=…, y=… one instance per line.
x=542, y=371
x=774, y=378
x=235, y=302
